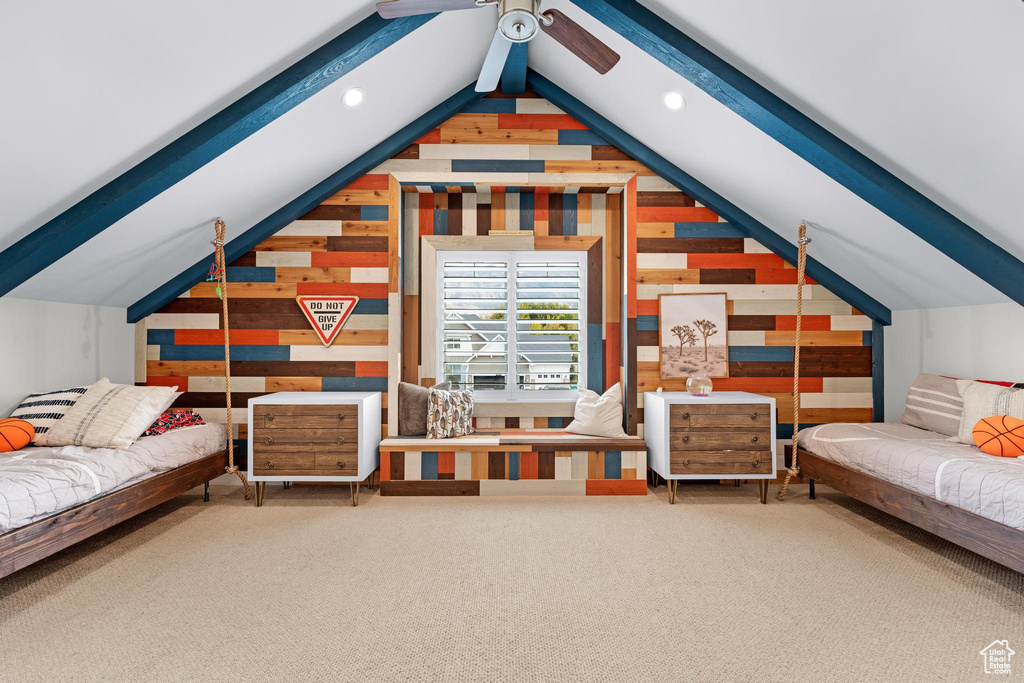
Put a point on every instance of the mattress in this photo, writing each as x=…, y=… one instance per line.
x=38, y=482
x=927, y=463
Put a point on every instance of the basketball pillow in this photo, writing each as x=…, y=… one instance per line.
x=15, y=434
x=1001, y=435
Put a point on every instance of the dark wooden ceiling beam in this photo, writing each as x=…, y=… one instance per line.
x=614, y=135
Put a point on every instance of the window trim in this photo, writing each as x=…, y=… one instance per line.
x=511, y=257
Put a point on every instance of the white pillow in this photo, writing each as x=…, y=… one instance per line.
x=983, y=400
x=111, y=415
x=598, y=415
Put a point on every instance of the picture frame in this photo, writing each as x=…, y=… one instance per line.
x=693, y=335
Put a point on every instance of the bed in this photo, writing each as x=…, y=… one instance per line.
x=51, y=498
x=950, y=489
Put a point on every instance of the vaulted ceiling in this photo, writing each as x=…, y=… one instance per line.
x=927, y=89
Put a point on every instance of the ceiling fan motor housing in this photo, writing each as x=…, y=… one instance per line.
x=518, y=19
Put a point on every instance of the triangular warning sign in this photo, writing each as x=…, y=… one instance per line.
x=327, y=314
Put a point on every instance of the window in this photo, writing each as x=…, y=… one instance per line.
x=537, y=352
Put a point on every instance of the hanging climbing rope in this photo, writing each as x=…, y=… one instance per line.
x=801, y=267
x=220, y=273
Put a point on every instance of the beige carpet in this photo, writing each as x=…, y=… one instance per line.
x=716, y=587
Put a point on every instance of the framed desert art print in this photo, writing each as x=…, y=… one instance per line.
x=693, y=335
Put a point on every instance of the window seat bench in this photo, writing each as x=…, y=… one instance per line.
x=513, y=462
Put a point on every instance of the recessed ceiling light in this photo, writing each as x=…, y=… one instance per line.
x=353, y=97
x=673, y=101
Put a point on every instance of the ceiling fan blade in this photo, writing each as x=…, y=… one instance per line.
x=581, y=42
x=405, y=8
x=497, y=53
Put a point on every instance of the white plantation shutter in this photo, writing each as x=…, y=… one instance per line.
x=549, y=322
x=513, y=324
x=474, y=322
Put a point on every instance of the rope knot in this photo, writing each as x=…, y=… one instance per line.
x=231, y=469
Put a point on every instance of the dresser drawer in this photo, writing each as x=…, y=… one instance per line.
x=336, y=463
x=297, y=416
x=721, y=441
x=270, y=462
x=719, y=416
x=721, y=462
x=343, y=439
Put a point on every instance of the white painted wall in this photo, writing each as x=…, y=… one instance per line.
x=976, y=342
x=46, y=345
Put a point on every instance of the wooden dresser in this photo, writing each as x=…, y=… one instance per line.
x=313, y=436
x=727, y=435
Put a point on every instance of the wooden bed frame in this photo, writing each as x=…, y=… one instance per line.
x=997, y=542
x=22, y=546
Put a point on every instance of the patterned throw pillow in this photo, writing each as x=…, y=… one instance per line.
x=934, y=403
x=449, y=413
x=174, y=419
x=111, y=415
x=982, y=400
x=43, y=410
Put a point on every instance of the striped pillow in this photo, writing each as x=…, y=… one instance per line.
x=43, y=410
x=935, y=404
x=981, y=400
x=111, y=415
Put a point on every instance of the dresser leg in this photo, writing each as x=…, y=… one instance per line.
x=353, y=488
x=261, y=486
x=812, y=489
x=736, y=483
x=762, y=485
x=671, y=491
x=287, y=484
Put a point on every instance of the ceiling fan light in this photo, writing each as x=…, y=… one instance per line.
x=517, y=20
x=673, y=100
x=353, y=97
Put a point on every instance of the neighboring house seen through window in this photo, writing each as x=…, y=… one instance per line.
x=512, y=325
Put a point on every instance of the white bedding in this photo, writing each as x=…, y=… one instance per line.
x=926, y=462
x=37, y=482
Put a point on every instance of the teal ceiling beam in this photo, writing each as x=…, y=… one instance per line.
x=658, y=164
x=812, y=142
x=513, y=76
x=307, y=201
x=196, y=148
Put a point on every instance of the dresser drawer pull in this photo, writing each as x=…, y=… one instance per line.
x=686, y=439
x=269, y=464
x=341, y=465
x=341, y=441
x=754, y=439
x=756, y=463
x=269, y=441
x=340, y=417
x=686, y=463
x=270, y=417
x=753, y=416
x=686, y=416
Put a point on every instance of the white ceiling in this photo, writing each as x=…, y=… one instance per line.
x=81, y=125
x=93, y=88
x=929, y=89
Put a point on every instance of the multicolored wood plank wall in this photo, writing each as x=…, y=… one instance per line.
x=341, y=247
x=350, y=244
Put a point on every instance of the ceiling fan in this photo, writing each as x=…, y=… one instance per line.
x=519, y=21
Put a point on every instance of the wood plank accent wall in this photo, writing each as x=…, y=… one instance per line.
x=656, y=239
x=340, y=247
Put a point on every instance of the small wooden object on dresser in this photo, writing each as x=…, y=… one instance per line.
x=314, y=436
x=727, y=435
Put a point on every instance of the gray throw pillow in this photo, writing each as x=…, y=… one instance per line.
x=934, y=403
x=412, y=407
